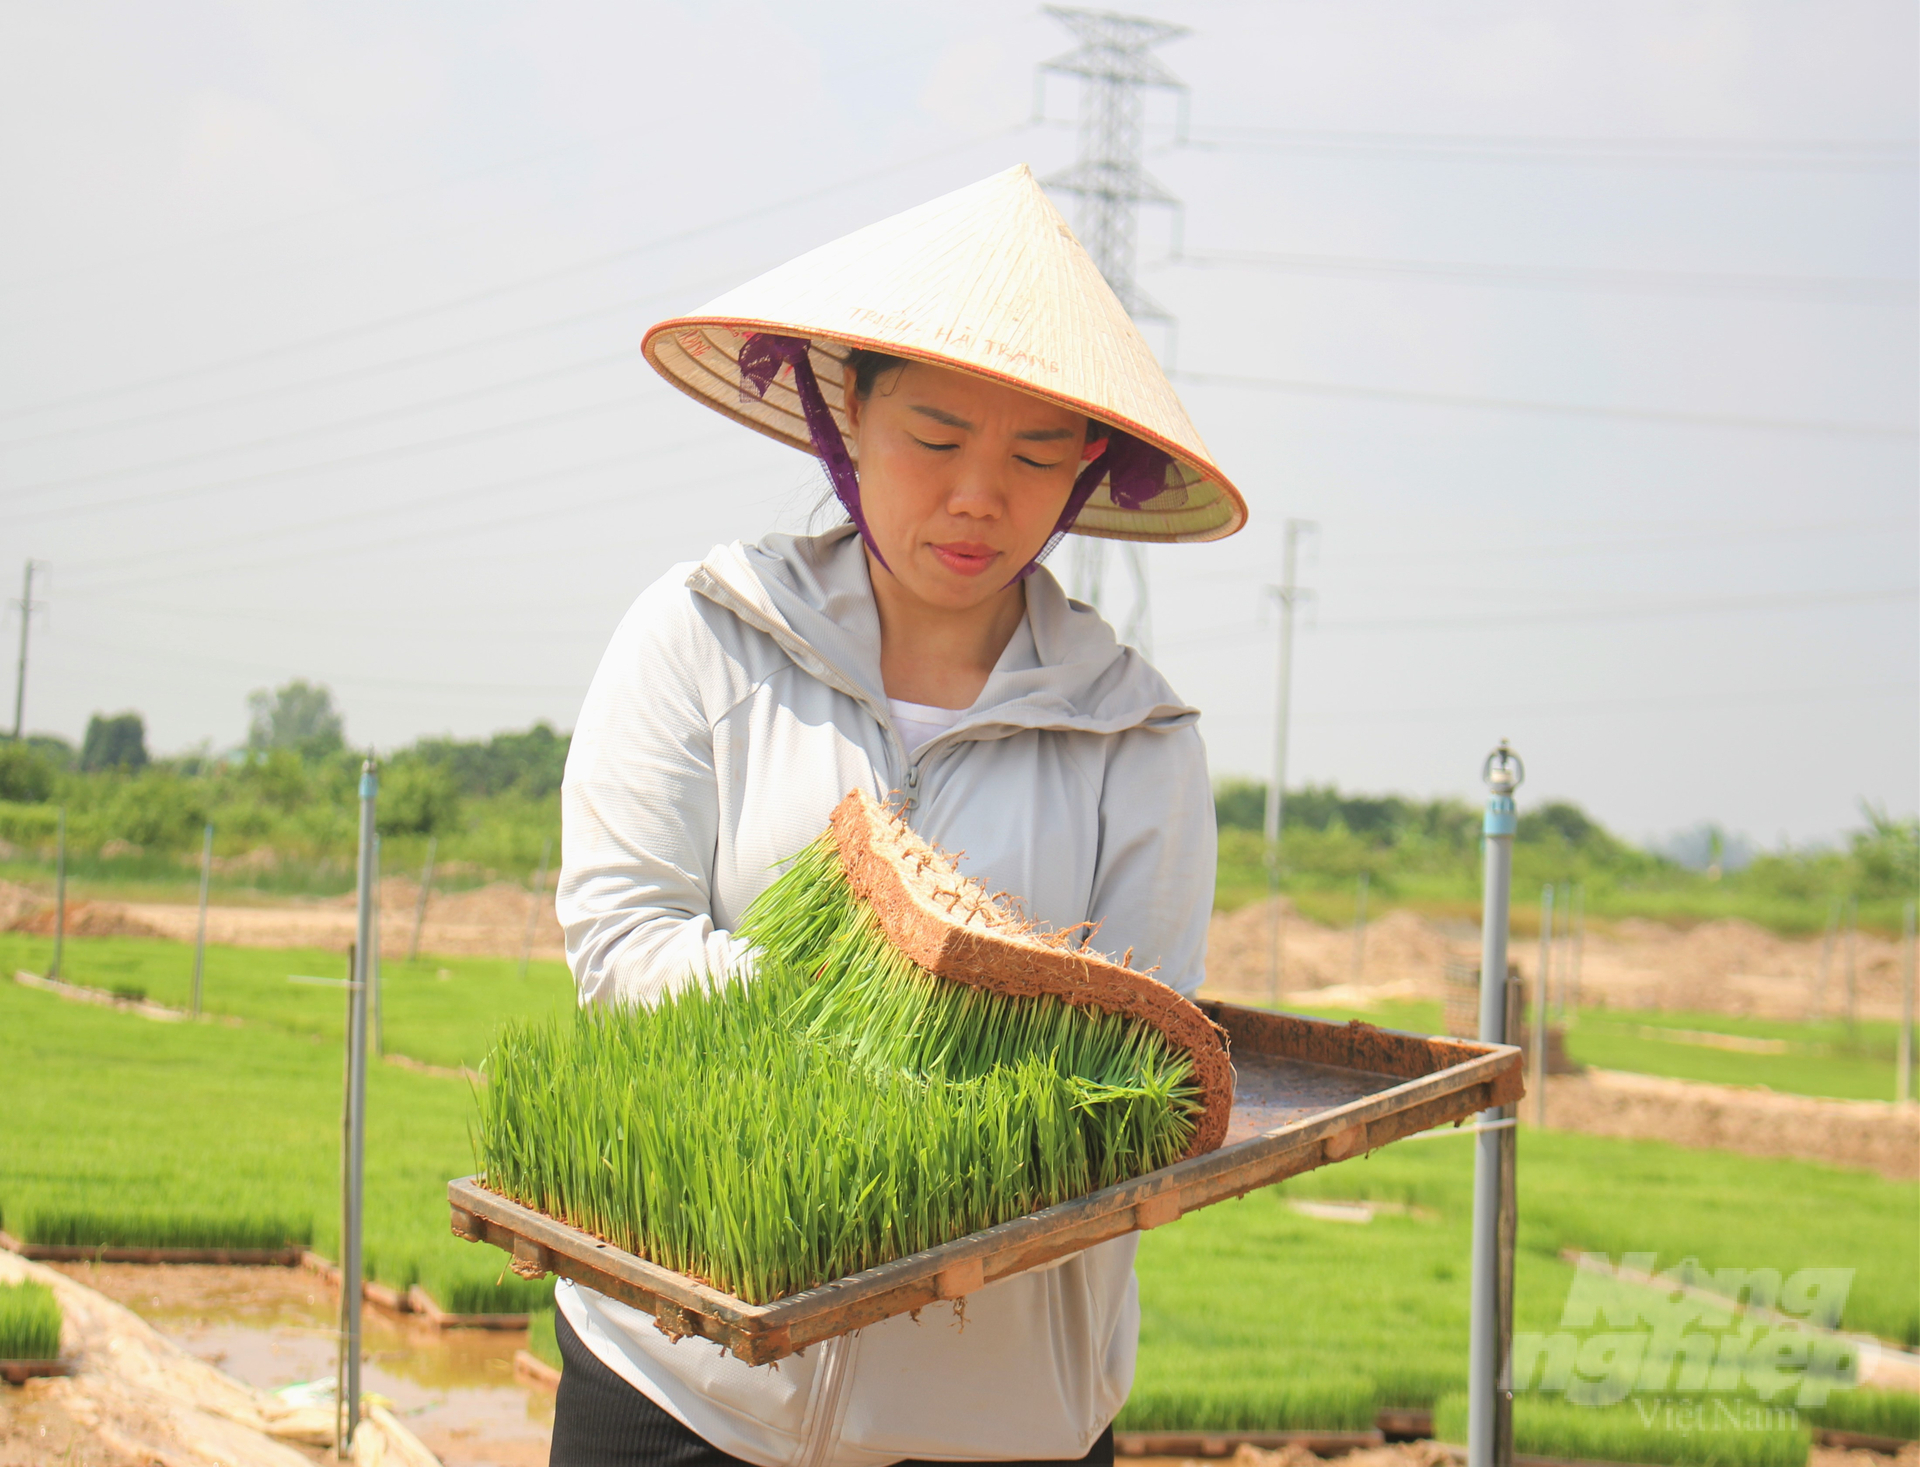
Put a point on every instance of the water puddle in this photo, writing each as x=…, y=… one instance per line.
x=273, y=1327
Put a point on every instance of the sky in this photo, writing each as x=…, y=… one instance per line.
x=1582, y=336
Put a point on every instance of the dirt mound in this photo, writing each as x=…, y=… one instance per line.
x=500, y=904
x=1401, y=948
x=86, y=919
x=16, y=902
x=1733, y=967
x=1871, y=1134
x=1721, y=967
x=253, y=863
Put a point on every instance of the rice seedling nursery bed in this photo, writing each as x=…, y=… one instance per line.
x=1253, y=1315
x=120, y=1236
x=228, y=1134
x=30, y=1322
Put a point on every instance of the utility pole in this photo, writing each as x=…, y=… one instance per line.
x=27, y=606
x=1110, y=181
x=1287, y=593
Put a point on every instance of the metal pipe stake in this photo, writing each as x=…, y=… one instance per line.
x=59, y=896
x=352, y=1200
x=1489, y=1366
x=1543, y=987
x=200, y=932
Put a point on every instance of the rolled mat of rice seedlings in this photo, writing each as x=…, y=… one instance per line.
x=29, y=1322
x=908, y=1062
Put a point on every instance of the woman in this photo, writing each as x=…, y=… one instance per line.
x=968, y=355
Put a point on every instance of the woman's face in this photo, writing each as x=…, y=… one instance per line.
x=961, y=480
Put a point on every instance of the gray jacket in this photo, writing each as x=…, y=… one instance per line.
x=738, y=702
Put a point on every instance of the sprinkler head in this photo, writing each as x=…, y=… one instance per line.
x=1503, y=772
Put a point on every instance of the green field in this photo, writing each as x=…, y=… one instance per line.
x=241, y=1119
x=1253, y=1314
x=1819, y=1059
x=1246, y=1306
x=440, y=1011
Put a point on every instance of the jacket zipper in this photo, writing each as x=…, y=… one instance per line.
x=784, y=637
x=822, y=1431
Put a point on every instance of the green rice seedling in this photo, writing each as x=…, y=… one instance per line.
x=89, y=1228
x=542, y=1343
x=1329, y=1402
x=1871, y=1412
x=1698, y=1431
x=29, y=1322
x=508, y=1294
x=841, y=1109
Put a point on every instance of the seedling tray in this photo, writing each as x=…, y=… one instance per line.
x=1306, y=1093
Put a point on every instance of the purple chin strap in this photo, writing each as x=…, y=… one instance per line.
x=1137, y=469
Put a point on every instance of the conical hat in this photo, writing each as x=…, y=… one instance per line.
x=988, y=280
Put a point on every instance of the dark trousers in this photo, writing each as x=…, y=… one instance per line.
x=601, y=1421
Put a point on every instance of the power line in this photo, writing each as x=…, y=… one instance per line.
x=1873, y=156
x=1902, y=146
x=465, y=493
x=440, y=534
x=579, y=267
x=360, y=373
x=1632, y=613
x=1648, y=610
x=1484, y=710
x=1551, y=409
x=200, y=243
x=1718, y=534
x=147, y=656
x=295, y=435
x=353, y=460
x=1558, y=277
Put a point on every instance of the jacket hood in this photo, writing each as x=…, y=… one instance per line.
x=1063, y=670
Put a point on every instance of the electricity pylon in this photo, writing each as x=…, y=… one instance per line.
x=1111, y=183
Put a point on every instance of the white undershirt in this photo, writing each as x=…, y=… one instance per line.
x=920, y=723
